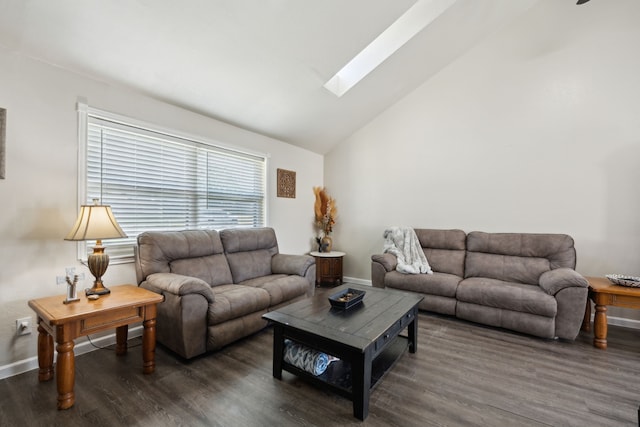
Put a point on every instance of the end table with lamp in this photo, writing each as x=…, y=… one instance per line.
x=124, y=305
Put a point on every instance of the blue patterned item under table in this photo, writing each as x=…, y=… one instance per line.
x=305, y=358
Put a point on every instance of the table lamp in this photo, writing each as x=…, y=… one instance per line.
x=96, y=222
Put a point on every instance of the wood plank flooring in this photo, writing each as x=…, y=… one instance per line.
x=463, y=374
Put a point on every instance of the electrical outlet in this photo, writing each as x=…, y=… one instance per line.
x=70, y=272
x=61, y=280
x=23, y=326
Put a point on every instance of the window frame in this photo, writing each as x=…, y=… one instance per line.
x=85, y=112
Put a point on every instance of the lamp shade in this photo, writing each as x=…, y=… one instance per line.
x=95, y=222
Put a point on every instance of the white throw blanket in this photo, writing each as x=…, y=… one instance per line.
x=404, y=244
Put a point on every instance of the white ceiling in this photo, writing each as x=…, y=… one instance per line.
x=257, y=64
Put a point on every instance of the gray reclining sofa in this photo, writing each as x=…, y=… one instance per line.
x=519, y=281
x=217, y=285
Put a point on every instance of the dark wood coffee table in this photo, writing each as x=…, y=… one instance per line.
x=366, y=338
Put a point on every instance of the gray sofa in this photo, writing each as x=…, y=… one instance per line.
x=217, y=285
x=519, y=281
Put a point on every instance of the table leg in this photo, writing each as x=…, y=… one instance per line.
x=149, y=346
x=600, y=327
x=278, y=351
x=586, y=322
x=412, y=329
x=121, y=340
x=65, y=373
x=361, y=384
x=45, y=354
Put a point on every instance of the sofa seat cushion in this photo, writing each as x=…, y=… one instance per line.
x=234, y=301
x=281, y=287
x=441, y=284
x=506, y=295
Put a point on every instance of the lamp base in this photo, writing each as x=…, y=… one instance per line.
x=96, y=291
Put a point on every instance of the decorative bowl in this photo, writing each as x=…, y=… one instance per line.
x=346, y=298
x=624, y=280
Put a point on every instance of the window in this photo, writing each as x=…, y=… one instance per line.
x=156, y=179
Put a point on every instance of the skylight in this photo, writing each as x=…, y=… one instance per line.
x=414, y=20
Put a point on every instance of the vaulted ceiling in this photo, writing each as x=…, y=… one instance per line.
x=257, y=64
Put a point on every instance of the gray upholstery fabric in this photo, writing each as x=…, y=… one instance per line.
x=281, y=287
x=557, y=248
x=553, y=281
x=216, y=294
x=212, y=269
x=291, y=264
x=234, y=301
x=157, y=249
x=532, y=324
x=509, y=296
x=520, y=281
x=444, y=249
x=249, y=252
x=225, y=333
x=570, y=311
x=518, y=269
x=179, y=285
x=442, y=284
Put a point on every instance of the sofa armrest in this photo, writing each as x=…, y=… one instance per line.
x=380, y=265
x=291, y=264
x=387, y=260
x=553, y=281
x=179, y=285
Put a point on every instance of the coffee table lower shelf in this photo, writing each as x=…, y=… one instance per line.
x=337, y=377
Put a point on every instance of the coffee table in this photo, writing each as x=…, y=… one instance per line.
x=603, y=293
x=366, y=338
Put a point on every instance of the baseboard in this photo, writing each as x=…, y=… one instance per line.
x=31, y=363
x=356, y=281
x=622, y=321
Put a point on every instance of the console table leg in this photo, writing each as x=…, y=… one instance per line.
x=148, y=346
x=121, y=340
x=65, y=376
x=600, y=327
x=45, y=354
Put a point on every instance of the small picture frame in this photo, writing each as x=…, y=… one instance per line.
x=286, y=184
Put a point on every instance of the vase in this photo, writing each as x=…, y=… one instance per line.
x=326, y=244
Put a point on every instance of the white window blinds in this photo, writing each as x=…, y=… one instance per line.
x=157, y=181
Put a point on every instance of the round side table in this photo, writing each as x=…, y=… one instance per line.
x=328, y=267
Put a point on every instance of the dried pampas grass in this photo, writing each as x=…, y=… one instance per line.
x=325, y=210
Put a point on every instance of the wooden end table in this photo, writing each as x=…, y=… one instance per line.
x=603, y=293
x=328, y=267
x=126, y=304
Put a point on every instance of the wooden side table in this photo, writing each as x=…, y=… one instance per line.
x=328, y=267
x=603, y=293
x=126, y=304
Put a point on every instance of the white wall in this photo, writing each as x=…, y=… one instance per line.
x=39, y=193
x=536, y=129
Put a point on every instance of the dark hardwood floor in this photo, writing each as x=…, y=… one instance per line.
x=463, y=374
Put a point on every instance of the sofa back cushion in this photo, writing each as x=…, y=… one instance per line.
x=249, y=251
x=195, y=253
x=517, y=257
x=444, y=249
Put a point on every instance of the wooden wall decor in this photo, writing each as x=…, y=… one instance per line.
x=3, y=127
x=286, y=183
